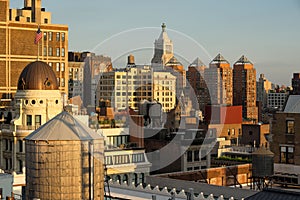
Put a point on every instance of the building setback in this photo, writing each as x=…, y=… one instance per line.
x=18, y=29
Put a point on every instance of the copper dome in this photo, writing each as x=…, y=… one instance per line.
x=37, y=76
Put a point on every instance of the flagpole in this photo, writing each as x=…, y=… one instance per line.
x=38, y=44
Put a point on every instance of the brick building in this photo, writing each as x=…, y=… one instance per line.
x=18, y=29
x=244, y=88
x=255, y=134
x=227, y=120
x=285, y=137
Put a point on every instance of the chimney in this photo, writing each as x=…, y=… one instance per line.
x=27, y=3
x=130, y=60
x=36, y=9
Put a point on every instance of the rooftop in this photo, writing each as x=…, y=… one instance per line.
x=63, y=127
x=219, y=59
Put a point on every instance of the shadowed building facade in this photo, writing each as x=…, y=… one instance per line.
x=196, y=81
x=17, y=32
x=244, y=88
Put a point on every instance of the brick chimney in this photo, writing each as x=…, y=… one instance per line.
x=27, y=3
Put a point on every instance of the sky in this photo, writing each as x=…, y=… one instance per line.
x=265, y=31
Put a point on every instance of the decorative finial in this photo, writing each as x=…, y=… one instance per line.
x=163, y=26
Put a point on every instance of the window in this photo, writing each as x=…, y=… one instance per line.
x=20, y=142
x=45, y=51
x=46, y=21
x=29, y=120
x=50, y=52
x=62, y=37
x=57, y=37
x=50, y=36
x=50, y=64
x=63, y=82
x=287, y=154
x=11, y=145
x=6, y=144
x=57, y=79
x=38, y=120
x=57, y=52
x=63, y=52
x=20, y=166
x=190, y=156
x=290, y=127
x=28, y=19
x=196, y=155
x=57, y=67
x=62, y=67
x=45, y=36
x=189, y=169
x=8, y=163
x=203, y=155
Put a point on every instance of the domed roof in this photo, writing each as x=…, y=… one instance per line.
x=37, y=76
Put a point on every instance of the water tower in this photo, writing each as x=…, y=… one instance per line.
x=262, y=168
x=64, y=160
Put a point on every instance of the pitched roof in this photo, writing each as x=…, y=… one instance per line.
x=243, y=60
x=173, y=61
x=292, y=104
x=263, y=151
x=197, y=63
x=219, y=59
x=63, y=127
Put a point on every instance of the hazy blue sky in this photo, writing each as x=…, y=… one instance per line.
x=266, y=31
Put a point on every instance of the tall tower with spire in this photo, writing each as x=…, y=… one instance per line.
x=163, y=50
x=244, y=88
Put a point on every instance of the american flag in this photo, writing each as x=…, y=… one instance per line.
x=38, y=36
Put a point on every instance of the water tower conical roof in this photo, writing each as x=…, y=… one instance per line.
x=63, y=127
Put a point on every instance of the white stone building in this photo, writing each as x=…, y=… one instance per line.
x=37, y=100
x=137, y=83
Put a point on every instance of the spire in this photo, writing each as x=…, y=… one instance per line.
x=163, y=26
x=164, y=35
